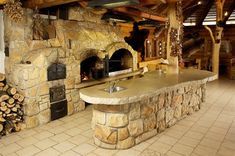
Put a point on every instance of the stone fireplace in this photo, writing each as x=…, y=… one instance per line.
x=48, y=72
x=92, y=68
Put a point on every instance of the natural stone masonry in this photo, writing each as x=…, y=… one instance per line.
x=83, y=36
x=123, y=126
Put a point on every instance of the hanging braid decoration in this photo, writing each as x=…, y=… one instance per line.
x=13, y=9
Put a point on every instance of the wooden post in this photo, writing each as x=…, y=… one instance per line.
x=216, y=37
x=173, y=23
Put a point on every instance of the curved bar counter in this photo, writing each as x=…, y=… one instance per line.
x=146, y=107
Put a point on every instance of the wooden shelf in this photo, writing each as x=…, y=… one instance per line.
x=145, y=63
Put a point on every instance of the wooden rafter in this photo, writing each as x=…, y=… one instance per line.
x=230, y=10
x=190, y=11
x=140, y=14
x=162, y=8
x=187, y=3
x=45, y=3
x=206, y=9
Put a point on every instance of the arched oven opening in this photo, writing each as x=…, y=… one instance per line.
x=92, y=68
x=120, y=62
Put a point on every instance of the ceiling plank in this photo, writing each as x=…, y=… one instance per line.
x=203, y=15
x=46, y=3
x=188, y=12
x=230, y=11
x=140, y=14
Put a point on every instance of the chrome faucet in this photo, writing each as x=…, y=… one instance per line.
x=112, y=87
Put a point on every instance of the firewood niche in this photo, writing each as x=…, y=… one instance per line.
x=11, y=108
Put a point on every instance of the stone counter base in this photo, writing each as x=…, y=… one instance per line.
x=124, y=126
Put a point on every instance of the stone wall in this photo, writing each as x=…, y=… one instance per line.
x=28, y=60
x=123, y=126
x=31, y=79
x=2, y=55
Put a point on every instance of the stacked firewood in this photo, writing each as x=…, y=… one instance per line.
x=11, y=111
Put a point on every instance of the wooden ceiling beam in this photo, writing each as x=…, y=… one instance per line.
x=152, y=2
x=46, y=3
x=3, y=2
x=187, y=3
x=172, y=1
x=230, y=11
x=140, y=14
x=206, y=9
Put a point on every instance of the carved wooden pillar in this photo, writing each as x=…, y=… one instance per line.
x=216, y=36
x=174, y=36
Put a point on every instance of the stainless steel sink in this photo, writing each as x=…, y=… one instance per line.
x=114, y=89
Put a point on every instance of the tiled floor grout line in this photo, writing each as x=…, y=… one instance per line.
x=213, y=113
x=228, y=128
x=213, y=122
x=189, y=130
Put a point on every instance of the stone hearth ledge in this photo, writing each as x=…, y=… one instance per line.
x=151, y=84
x=147, y=107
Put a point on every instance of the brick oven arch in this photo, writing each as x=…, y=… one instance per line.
x=90, y=53
x=112, y=48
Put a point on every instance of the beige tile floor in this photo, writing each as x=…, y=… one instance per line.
x=208, y=132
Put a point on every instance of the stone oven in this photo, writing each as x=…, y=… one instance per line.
x=49, y=72
x=56, y=71
x=121, y=60
x=58, y=102
x=92, y=68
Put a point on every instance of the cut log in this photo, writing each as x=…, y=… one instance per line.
x=11, y=100
x=2, y=119
x=2, y=84
x=11, y=112
x=20, y=113
x=10, y=117
x=14, y=109
x=5, y=87
x=10, y=105
x=2, y=77
x=17, y=105
x=9, y=126
x=4, y=108
x=3, y=96
x=1, y=127
x=2, y=104
x=8, y=111
x=21, y=98
x=11, y=91
x=16, y=96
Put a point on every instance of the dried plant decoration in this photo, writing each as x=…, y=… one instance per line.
x=13, y=9
x=39, y=32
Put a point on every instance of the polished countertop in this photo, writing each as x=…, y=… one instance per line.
x=150, y=84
